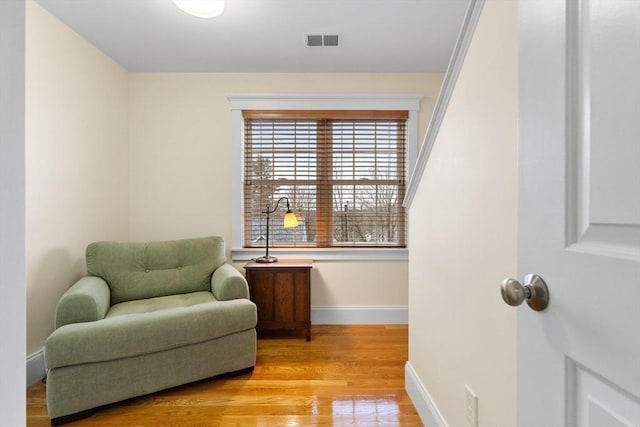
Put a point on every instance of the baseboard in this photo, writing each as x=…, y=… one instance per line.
x=360, y=315
x=35, y=367
x=426, y=407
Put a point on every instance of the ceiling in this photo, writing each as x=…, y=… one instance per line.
x=377, y=36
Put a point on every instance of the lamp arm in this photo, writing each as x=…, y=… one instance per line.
x=267, y=211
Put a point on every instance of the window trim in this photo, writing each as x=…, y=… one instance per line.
x=272, y=101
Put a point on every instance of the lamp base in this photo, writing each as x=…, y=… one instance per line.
x=267, y=259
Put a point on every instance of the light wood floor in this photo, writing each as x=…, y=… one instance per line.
x=346, y=376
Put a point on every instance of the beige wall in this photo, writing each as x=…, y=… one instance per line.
x=463, y=234
x=181, y=165
x=76, y=161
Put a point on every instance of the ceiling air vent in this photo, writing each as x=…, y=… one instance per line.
x=322, y=40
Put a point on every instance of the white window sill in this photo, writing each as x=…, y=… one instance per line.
x=329, y=254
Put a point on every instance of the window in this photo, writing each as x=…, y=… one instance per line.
x=402, y=108
x=343, y=172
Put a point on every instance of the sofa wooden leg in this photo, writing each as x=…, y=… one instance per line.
x=58, y=421
x=237, y=373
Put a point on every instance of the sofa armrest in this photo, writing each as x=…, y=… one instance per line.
x=227, y=283
x=86, y=301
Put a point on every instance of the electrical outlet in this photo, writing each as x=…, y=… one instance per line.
x=471, y=406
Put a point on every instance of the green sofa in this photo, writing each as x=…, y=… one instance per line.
x=148, y=316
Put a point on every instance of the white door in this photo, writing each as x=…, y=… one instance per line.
x=579, y=212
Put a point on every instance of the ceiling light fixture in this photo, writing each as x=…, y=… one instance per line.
x=201, y=8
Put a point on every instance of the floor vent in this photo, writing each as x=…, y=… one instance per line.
x=322, y=40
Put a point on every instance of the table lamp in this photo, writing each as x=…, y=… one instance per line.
x=290, y=221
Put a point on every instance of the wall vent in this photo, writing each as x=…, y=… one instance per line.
x=322, y=40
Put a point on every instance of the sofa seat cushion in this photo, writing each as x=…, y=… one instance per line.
x=148, y=330
x=149, y=305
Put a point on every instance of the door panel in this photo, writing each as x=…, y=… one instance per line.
x=597, y=402
x=603, y=127
x=579, y=211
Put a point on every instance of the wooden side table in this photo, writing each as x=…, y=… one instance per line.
x=282, y=292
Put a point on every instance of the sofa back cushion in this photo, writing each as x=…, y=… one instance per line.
x=146, y=270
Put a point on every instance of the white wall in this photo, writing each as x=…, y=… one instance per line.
x=181, y=165
x=76, y=161
x=463, y=234
x=12, y=275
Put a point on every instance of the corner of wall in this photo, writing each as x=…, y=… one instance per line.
x=463, y=229
x=76, y=142
x=424, y=404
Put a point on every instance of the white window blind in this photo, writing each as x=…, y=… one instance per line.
x=343, y=171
